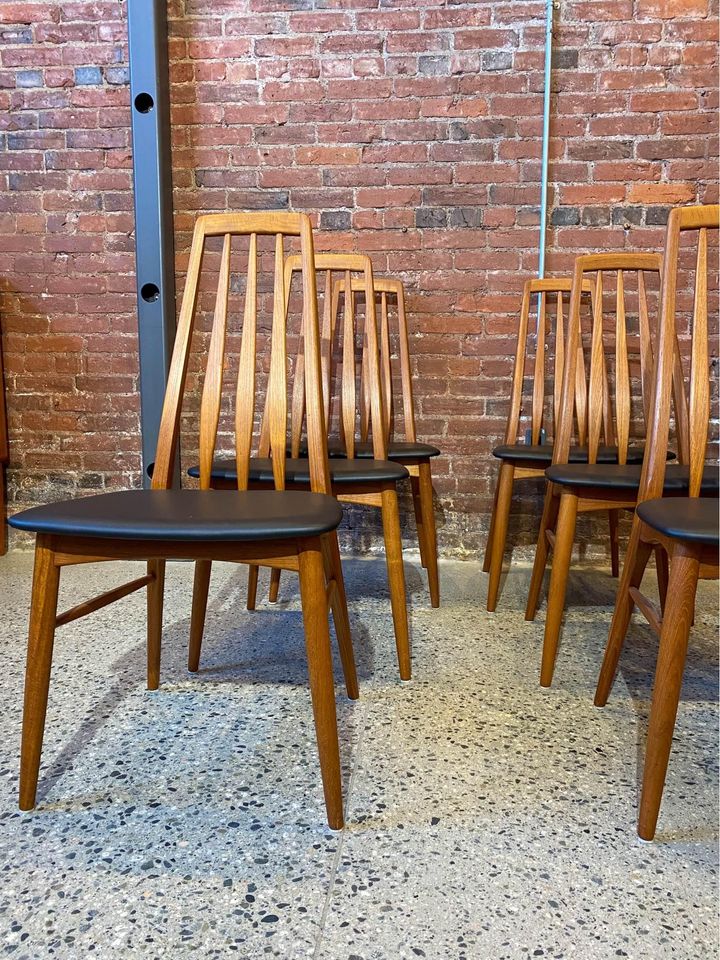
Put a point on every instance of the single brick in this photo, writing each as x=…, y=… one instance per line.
x=565, y=59
x=431, y=217
x=497, y=60
x=466, y=217
x=117, y=76
x=88, y=76
x=595, y=216
x=565, y=217
x=29, y=78
x=335, y=219
x=432, y=66
x=627, y=215
x=657, y=216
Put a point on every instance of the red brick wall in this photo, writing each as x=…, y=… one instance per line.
x=410, y=129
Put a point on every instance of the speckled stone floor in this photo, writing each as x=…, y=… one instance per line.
x=487, y=818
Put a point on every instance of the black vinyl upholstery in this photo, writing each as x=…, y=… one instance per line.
x=540, y=455
x=187, y=515
x=692, y=519
x=614, y=477
x=298, y=471
x=397, y=450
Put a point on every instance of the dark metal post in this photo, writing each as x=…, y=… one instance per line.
x=152, y=181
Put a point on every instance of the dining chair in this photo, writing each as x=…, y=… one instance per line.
x=685, y=527
x=587, y=487
x=279, y=527
x=398, y=406
x=368, y=482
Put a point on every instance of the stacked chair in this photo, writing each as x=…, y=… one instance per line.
x=684, y=526
x=278, y=527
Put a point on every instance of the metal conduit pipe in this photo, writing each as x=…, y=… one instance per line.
x=545, y=136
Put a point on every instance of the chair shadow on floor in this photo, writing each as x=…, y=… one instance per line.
x=239, y=650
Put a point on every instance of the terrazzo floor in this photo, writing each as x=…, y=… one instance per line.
x=486, y=818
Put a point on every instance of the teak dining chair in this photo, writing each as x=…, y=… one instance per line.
x=609, y=407
x=289, y=529
x=408, y=450
x=368, y=482
x=528, y=457
x=686, y=527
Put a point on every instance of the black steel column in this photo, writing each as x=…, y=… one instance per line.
x=152, y=180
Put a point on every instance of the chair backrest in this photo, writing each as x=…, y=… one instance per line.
x=388, y=290
x=273, y=440
x=609, y=403
x=357, y=391
x=545, y=351
x=691, y=395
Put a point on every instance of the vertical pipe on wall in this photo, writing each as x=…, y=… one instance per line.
x=152, y=185
x=545, y=135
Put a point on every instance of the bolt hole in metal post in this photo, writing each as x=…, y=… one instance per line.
x=144, y=103
x=150, y=292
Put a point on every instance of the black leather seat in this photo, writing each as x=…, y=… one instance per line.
x=627, y=477
x=541, y=454
x=683, y=518
x=298, y=471
x=187, y=515
x=397, y=450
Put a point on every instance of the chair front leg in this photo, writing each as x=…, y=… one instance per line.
x=41, y=634
x=636, y=558
x=564, y=539
x=253, y=571
x=499, y=526
x=417, y=509
x=396, y=578
x=201, y=588
x=684, y=569
x=338, y=603
x=322, y=688
x=551, y=505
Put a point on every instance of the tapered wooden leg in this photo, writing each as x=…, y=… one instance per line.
x=636, y=558
x=252, y=586
x=322, y=689
x=155, y=595
x=499, y=526
x=338, y=602
x=491, y=532
x=201, y=587
x=613, y=517
x=661, y=568
x=428, y=522
x=396, y=578
x=684, y=568
x=417, y=507
x=564, y=539
x=548, y=522
x=41, y=633
x=274, y=584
